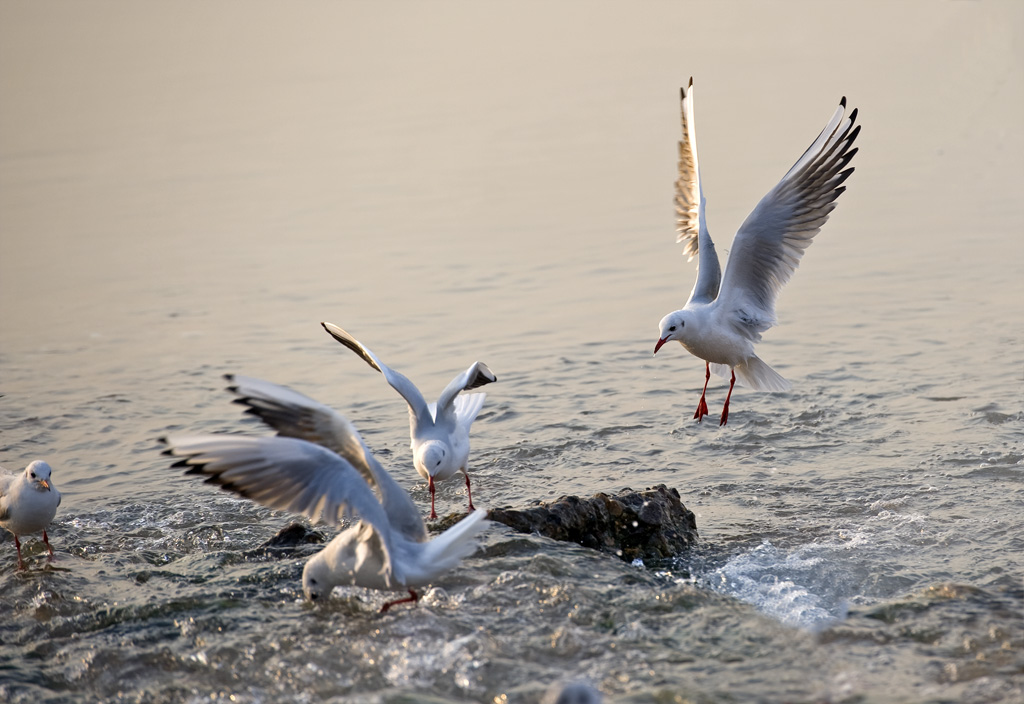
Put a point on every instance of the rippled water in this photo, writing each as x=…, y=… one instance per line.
x=186, y=191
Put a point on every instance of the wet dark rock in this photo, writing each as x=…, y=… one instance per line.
x=648, y=524
x=284, y=543
x=293, y=535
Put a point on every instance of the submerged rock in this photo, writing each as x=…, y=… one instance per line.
x=648, y=524
x=292, y=535
x=285, y=543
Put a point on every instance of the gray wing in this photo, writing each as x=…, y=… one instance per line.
x=295, y=415
x=282, y=473
x=417, y=404
x=770, y=243
x=478, y=374
x=691, y=224
x=286, y=474
x=6, y=479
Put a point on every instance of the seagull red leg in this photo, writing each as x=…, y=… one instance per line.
x=725, y=408
x=17, y=545
x=433, y=513
x=48, y=546
x=469, y=491
x=413, y=597
x=702, y=407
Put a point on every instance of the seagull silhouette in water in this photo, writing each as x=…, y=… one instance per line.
x=726, y=314
x=439, y=431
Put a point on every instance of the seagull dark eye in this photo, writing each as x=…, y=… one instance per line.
x=672, y=329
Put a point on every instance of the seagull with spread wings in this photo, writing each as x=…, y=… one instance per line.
x=318, y=466
x=439, y=431
x=726, y=314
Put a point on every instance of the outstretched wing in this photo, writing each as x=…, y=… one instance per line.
x=286, y=474
x=770, y=243
x=478, y=374
x=691, y=224
x=282, y=473
x=295, y=415
x=417, y=404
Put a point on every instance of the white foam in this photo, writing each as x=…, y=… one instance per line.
x=805, y=587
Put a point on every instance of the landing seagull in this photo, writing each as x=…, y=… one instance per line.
x=28, y=502
x=726, y=315
x=318, y=466
x=439, y=431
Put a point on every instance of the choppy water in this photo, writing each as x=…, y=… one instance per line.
x=186, y=191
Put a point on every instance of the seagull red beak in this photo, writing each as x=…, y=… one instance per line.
x=45, y=484
x=660, y=343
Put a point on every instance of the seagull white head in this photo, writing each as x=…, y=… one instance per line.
x=678, y=325
x=38, y=475
x=431, y=457
x=316, y=579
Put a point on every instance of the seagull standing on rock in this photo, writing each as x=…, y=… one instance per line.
x=439, y=431
x=318, y=466
x=28, y=502
x=726, y=314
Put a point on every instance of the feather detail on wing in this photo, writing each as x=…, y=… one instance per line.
x=691, y=224
x=688, y=183
x=399, y=382
x=282, y=473
x=770, y=243
x=467, y=407
x=287, y=474
x=295, y=415
x=478, y=374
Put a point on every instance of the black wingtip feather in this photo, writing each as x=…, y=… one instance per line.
x=842, y=101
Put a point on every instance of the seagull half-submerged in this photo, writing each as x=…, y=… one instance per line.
x=726, y=314
x=318, y=466
x=439, y=431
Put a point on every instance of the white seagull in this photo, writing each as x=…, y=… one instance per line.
x=318, y=466
x=726, y=315
x=28, y=502
x=439, y=431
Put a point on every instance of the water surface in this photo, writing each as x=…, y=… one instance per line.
x=186, y=191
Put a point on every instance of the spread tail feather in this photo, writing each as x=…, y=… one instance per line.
x=446, y=550
x=758, y=375
x=755, y=374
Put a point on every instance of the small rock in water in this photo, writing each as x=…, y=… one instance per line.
x=292, y=535
x=649, y=524
x=283, y=544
